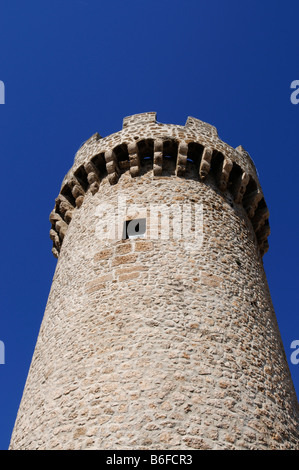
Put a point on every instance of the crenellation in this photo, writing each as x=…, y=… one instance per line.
x=137, y=119
x=240, y=186
x=246, y=157
x=225, y=172
x=76, y=190
x=260, y=217
x=134, y=158
x=205, y=163
x=93, y=176
x=54, y=236
x=88, y=146
x=263, y=233
x=264, y=247
x=158, y=157
x=68, y=216
x=233, y=169
x=55, y=252
x=63, y=204
x=182, y=158
x=251, y=202
x=61, y=227
x=54, y=216
x=201, y=127
x=195, y=131
x=112, y=166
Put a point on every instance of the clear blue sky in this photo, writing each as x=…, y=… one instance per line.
x=75, y=67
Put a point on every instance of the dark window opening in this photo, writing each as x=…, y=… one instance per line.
x=134, y=228
x=217, y=164
x=262, y=204
x=195, y=151
x=234, y=179
x=146, y=150
x=67, y=193
x=251, y=188
x=122, y=156
x=81, y=176
x=170, y=149
x=100, y=164
x=121, y=153
x=170, y=153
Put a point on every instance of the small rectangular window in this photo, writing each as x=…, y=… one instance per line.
x=134, y=228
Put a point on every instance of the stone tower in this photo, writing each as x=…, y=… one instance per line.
x=159, y=331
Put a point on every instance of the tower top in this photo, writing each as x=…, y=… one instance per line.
x=144, y=143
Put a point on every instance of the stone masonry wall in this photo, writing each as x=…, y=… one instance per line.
x=161, y=342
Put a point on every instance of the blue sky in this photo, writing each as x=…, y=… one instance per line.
x=75, y=67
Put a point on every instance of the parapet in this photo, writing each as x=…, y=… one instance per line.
x=197, y=143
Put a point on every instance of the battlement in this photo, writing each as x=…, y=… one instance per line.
x=145, y=143
x=136, y=119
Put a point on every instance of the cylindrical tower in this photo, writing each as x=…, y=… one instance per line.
x=159, y=331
